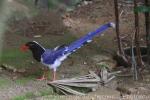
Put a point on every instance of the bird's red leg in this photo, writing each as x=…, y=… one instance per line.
x=54, y=75
x=43, y=76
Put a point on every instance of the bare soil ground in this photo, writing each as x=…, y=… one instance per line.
x=52, y=29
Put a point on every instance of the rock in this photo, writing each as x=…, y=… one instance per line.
x=123, y=90
x=142, y=88
x=133, y=90
x=85, y=3
x=85, y=63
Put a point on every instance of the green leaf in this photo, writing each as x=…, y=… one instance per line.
x=142, y=9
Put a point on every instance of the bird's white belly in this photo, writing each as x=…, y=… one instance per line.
x=62, y=58
x=57, y=62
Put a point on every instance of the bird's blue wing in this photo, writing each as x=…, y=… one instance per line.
x=87, y=38
x=50, y=56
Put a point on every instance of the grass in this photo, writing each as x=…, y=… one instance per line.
x=31, y=95
x=46, y=92
x=28, y=95
x=4, y=82
x=24, y=80
x=19, y=98
x=14, y=57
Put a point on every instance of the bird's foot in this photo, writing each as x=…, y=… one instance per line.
x=41, y=79
x=51, y=81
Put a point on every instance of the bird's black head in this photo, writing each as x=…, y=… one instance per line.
x=36, y=49
x=32, y=45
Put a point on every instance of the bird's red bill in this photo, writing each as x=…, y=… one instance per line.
x=24, y=48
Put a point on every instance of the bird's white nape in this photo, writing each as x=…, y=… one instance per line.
x=39, y=45
x=113, y=25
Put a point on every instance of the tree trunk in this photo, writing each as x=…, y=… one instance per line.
x=137, y=38
x=121, y=51
x=147, y=23
x=35, y=2
x=117, y=27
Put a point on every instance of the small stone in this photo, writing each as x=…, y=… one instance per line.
x=85, y=2
x=93, y=89
x=85, y=63
x=102, y=34
x=32, y=62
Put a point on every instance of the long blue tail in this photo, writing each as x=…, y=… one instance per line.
x=88, y=38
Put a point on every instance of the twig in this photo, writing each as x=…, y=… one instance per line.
x=134, y=64
x=114, y=73
x=117, y=27
x=108, y=80
x=121, y=14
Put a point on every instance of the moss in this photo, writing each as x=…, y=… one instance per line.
x=31, y=95
x=14, y=57
x=28, y=95
x=46, y=92
x=24, y=80
x=4, y=82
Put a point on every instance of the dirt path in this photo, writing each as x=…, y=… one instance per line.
x=79, y=26
x=20, y=87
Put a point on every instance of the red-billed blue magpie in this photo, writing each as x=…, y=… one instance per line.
x=52, y=58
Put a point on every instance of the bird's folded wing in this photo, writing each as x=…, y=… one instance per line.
x=87, y=38
x=50, y=56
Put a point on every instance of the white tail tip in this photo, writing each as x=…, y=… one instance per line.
x=113, y=25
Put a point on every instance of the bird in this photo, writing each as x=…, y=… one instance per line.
x=53, y=58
